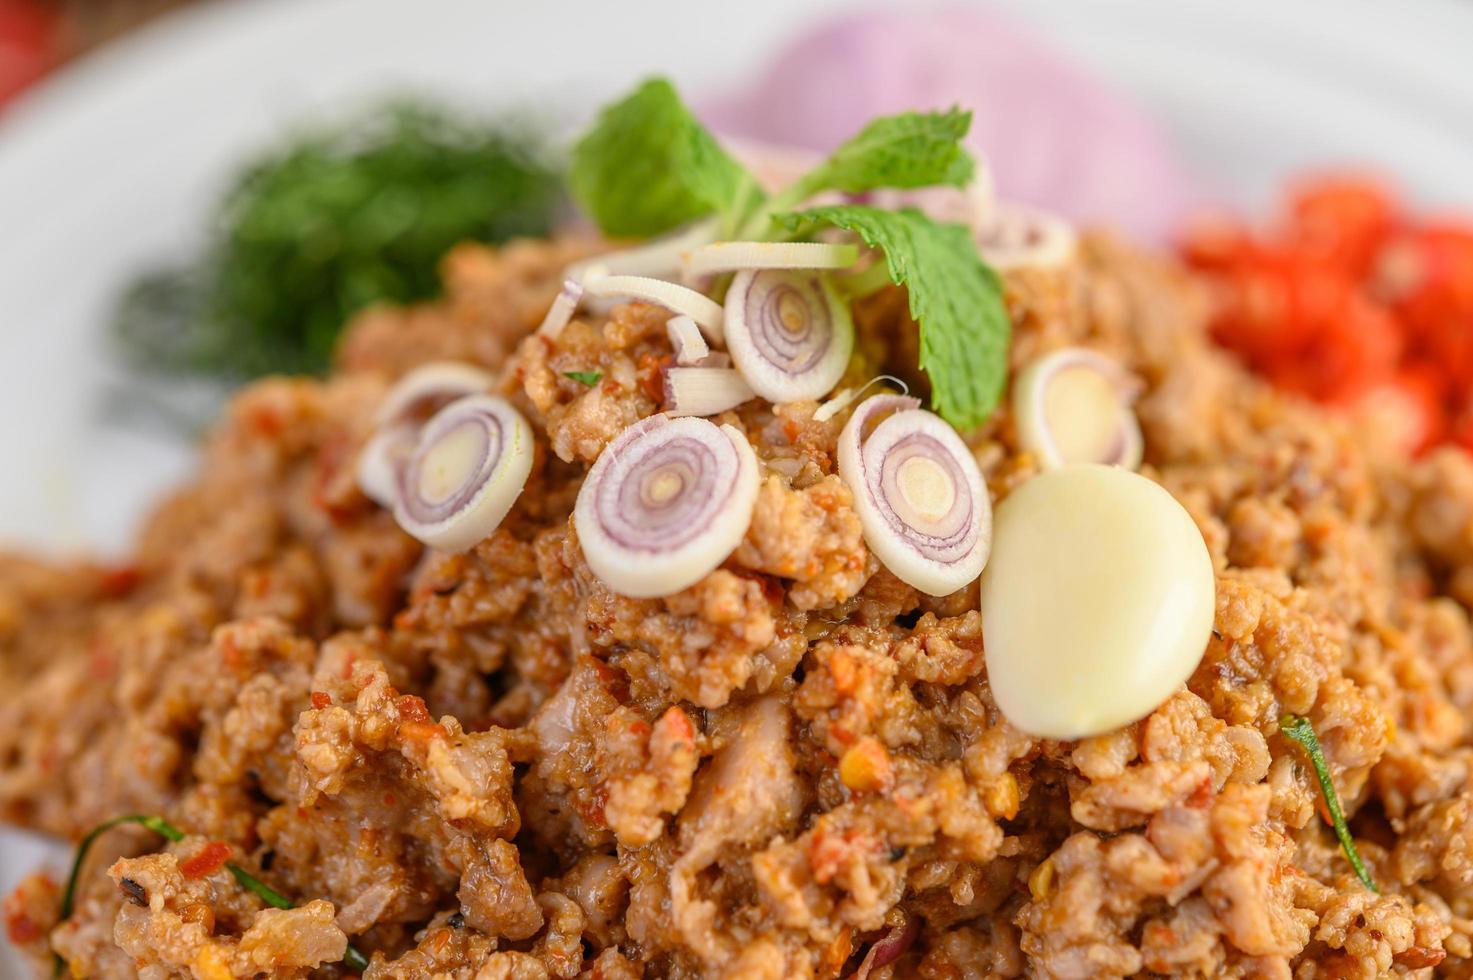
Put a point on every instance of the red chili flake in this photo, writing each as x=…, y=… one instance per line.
x=18, y=926
x=1419, y=957
x=211, y=858
x=321, y=699
x=420, y=731
x=1202, y=795
x=651, y=376
x=229, y=653
x=679, y=724
x=390, y=799
x=346, y=670
x=101, y=659
x=119, y=580
x=412, y=708
x=639, y=727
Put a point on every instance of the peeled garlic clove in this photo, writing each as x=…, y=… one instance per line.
x=1097, y=602
x=1073, y=406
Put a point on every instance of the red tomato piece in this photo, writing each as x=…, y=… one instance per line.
x=1341, y=219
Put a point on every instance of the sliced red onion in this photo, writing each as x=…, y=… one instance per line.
x=889, y=947
x=560, y=314
x=706, y=312
x=658, y=257
x=381, y=459
x=704, y=390
x=1073, y=406
x=919, y=494
x=666, y=502
x=467, y=469
x=790, y=333
x=685, y=337
x=429, y=388
x=1020, y=236
x=733, y=256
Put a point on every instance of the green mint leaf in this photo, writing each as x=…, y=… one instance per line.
x=954, y=296
x=1299, y=730
x=589, y=378
x=913, y=149
x=647, y=166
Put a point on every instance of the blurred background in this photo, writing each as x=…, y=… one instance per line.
x=196, y=193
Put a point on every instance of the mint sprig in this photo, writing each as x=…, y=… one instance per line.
x=954, y=297
x=648, y=165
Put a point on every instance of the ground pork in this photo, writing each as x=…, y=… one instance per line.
x=489, y=766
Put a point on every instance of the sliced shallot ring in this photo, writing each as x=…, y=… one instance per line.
x=789, y=333
x=1019, y=236
x=685, y=337
x=706, y=312
x=380, y=460
x=1073, y=406
x=429, y=387
x=560, y=313
x=919, y=494
x=734, y=256
x=667, y=501
x=658, y=257
x=704, y=390
x=468, y=468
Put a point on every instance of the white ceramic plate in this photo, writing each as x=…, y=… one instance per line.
x=111, y=165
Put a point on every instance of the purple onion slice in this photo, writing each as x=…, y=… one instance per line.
x=381, y=459
x=468, y=468
x=430, y=387
x=789, y=333
x=666, y=502
x=919, y=494
x=1073, y=406
x=706, y=312
x=413, y=399
x=1019, y=236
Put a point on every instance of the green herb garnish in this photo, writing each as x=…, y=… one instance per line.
x=1298, y=729
x=335, y=221
x=589, y=378
x=954, y=296
x=163, y=828
x=913, y=149
x=648, y=166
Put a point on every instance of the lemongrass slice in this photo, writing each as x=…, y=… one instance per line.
x=733, y=256
x=685, y=337
x=1073, y=406
x=919, y=494
x=657, y=257
x=381, y=459
x=789, y=333
x=560, y=313
x=846, y=396
x=704, y=390
x=467, y=469
x=666, y=502
x=1020, y=236
x=706, y=312
x=430, y=387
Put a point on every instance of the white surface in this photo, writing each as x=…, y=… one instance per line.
x=111, y=165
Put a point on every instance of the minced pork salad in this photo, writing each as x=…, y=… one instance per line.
x=841, y=575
